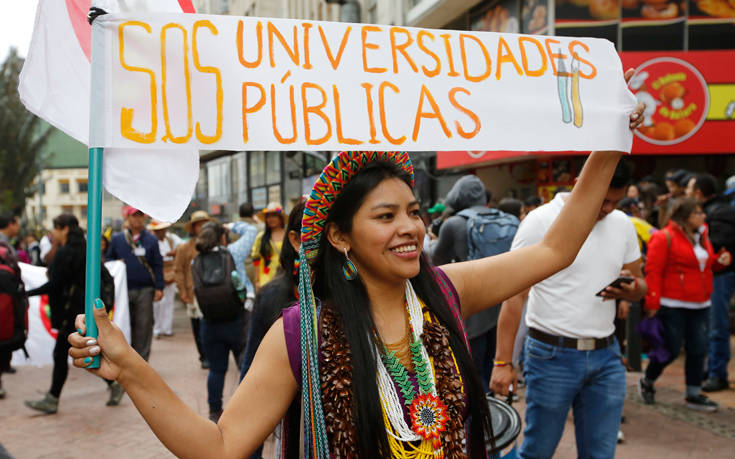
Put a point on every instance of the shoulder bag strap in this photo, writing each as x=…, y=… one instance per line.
x=141, y=259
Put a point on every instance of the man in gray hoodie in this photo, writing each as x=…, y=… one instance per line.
x=467, y=196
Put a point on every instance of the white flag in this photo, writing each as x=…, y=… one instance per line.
x=55, y=85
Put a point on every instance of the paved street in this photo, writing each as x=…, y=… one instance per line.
x=85, y=427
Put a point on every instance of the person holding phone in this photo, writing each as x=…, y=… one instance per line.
x=679, y=272
x=572, y=358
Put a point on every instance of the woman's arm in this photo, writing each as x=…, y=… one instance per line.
x=483, y=283
x=250, y=416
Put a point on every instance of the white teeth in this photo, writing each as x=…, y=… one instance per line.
x=404, y=248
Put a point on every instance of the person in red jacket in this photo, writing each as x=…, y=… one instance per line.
x=679, y=276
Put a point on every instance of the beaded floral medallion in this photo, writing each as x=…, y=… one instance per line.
x=428, y=416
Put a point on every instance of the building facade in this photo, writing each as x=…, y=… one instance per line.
x=62, y=186
x=692, y=38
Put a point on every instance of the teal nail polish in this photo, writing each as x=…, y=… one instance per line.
x=88, y=360
x=98, y=304
x=79, y=330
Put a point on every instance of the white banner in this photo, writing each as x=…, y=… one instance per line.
x=244, y=83
x=41, y=337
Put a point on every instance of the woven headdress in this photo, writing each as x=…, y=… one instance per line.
x=335, y=176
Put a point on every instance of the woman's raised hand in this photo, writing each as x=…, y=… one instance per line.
x=110, y=345
x=636, y=118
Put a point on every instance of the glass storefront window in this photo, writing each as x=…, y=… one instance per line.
x=273, y=167
x=257, y=168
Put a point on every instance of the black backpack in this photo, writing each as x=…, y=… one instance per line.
x=13, y=303
x=213, y=286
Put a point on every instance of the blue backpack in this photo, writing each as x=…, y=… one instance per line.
x=489, y=232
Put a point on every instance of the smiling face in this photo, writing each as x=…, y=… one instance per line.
x=387, y=234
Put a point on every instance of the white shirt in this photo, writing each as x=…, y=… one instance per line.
x=165, y=246
x=565, y=303
x=45, y=246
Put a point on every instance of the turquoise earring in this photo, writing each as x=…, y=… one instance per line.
x=349, y=270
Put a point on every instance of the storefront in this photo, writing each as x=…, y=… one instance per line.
x=227, y=179
x=689, y=124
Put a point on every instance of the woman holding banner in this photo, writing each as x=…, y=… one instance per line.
x=382, y=360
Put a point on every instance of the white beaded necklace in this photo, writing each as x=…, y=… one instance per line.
x=388, y=395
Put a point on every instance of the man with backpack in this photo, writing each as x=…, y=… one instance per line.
x=572, y=358
x=475, y=231
x=144, y=267
x=13, y=301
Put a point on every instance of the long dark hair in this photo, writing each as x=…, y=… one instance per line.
x=350, y=302
x=265, y=243
x=682, y=209
x=283, y=286
x=288, y=253
x=74, y=239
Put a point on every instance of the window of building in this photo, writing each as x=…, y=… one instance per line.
x=257, y=168
x=63, y=186
x=43, y=212
x=83, y=212
x=371, y=11
x=240, y=177
x=67, y=209
x=82, y=185
x=219, y=180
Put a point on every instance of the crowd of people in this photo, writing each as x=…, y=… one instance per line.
x=236, y=280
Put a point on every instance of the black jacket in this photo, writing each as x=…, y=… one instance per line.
x=65, y=286
x=721, y=222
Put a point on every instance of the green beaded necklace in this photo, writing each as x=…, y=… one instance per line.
x=400, y=373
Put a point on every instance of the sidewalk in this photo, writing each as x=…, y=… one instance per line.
x=85, y=427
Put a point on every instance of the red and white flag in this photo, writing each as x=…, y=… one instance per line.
x=55, y=85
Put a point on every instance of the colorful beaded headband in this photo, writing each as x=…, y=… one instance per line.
x=328, y=187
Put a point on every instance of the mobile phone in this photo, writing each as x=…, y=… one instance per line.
x=617, y=283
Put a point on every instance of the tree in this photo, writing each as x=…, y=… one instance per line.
x=22, y=137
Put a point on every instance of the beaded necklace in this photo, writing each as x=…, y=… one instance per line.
x=428, y=413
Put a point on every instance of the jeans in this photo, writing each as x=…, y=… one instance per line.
x=483, y=353
x=141, y=320
x=219, y=339
x=719, y=326
x=690, y=326
x=592, y=383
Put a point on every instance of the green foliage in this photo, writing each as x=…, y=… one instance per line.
x=22, y=137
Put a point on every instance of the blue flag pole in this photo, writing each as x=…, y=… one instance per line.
x=94, y=190
x=94, y=240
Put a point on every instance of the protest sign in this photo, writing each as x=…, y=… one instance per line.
x=224, y=82
x=41, y=336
